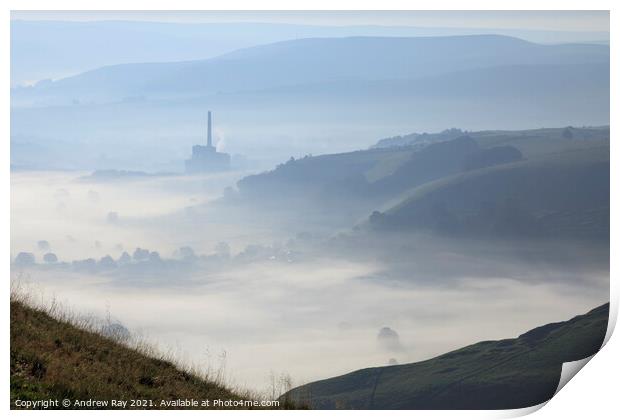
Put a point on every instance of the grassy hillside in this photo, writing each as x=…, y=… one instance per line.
x=511, y=373
x=52, y=359
x=369, y=172
x=532, y=143
x=545, y=181
x=544, y=141
x=564, y=194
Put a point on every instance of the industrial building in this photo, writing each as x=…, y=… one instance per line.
x=207, y=158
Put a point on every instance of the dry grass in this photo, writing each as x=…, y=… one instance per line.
x=57, y=354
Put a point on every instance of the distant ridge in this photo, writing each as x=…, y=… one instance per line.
x=315, y=60
x=133, y=41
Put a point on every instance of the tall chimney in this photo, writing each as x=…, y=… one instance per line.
x=209, y=140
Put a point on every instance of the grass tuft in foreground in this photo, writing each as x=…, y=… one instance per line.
x=61, y=357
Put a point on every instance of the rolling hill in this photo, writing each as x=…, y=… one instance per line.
x=311, y=61
x=36, y=45
x=550, y=182
x=511, y=373
x=562, y=195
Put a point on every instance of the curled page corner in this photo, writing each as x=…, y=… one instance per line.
x=521, y=412
x=569, y=370
x=611, y=322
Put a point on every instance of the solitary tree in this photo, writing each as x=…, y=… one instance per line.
x=50, y=258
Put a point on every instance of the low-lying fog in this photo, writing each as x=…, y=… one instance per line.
x=272, y=297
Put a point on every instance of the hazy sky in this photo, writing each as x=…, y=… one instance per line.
x=533, y=20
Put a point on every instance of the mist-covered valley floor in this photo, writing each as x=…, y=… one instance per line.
x=224, y=283
x=370, y=194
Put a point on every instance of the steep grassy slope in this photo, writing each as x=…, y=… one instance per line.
x=51, y=359
x=369, y=174
x=560, y=195
x=407, y=165
x=442, y=159
x=511, y=373
x=481, y=183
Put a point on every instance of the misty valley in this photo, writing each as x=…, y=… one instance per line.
x=301, y=270
x=330, y=216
